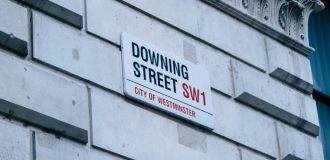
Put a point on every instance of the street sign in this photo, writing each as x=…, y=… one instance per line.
x=166, y=82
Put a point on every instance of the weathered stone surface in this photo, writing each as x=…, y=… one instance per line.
x=259, y=91
x=121, y=127
x=179, y=13
x=273, y=19
x=15, y=142
x=249, y=155
x=34, y=88
x=232, y=36
x=13, y=20
x=189, y=51
x=244, y=125
x=163, y=36
x=295, y=145
x=216, y=62
x=76, y=6
x=117, y=18
x=16, y=45
x=52, y=9
x=14, y=27
x=250, y=50
x=51, y=148
x=192, y=139
x=289, y=66
x=36, y=119
x=77, y=52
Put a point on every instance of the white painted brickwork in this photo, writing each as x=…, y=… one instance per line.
x=149, y=136
x=51, y=148
x=14, y=19
x=283, y=57
x=244, y=125
x=15, y=142
x=75, y=76
x=76, y=52
x=248, y=155
x=33, y=87
x=222, y=31
x=248, y=80
x=293, y=143
x=139, y=25
x=76, y=6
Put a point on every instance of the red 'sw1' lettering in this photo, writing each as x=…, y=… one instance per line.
x=193, y=93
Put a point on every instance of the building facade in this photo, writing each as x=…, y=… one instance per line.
x=62, y=94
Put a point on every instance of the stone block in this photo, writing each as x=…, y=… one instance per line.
x=76, y=6
x=77, y=52
x=47, y=123
x=51, y=148
x=160, y=35
x=124, y=127
x=249, y=155
x=15, y=141
x=179, y=13
x=59, y=12
x=211, y=25
x=140, y=25
x=14, y=27
x=261, y=92
x=244, y=125
x=16, y=45
x=216, y=62
x=13, y=20
x=295, y=145
x=39, y=90
x=289, y=66
x=232, y=36
x=109, y=18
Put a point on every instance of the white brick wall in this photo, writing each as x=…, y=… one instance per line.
x=244, y=125
x=35, y=88
x=51, y=148
x=15, y=142
x=65, y=61
x=280, y=56
x=14, y=19
x=293, y=143
x=248, y=155
x=76, y=6
x=138, y=133
x=76, y=52
x=232, y=36
x=180, y=13
x=248, y=80
x=226, y=34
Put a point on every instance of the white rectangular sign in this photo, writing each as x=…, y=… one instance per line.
x=165, y=81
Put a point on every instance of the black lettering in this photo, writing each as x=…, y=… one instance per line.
x=136, y=72
x=163, y=62
x=174, y=85
x=137, y=49
x=176, y=68
x=160, y=79
x=167, y=82
x=169, y=60
x=152, y=74
x=145, y=51
x=184, y=74
x=153, y=59
x=144, y=71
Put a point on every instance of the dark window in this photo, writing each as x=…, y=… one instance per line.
x=319, y=38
